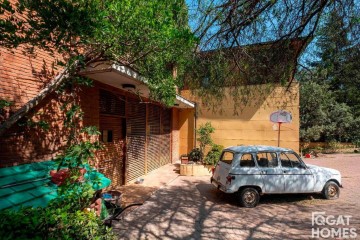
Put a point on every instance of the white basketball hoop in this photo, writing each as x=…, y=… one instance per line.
x=280, y=117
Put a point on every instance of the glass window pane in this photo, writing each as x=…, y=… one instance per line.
x=247, y=160
x=289, y=159
x=267, y=159
x=227, y=157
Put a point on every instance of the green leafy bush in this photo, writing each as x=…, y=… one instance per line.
x=214, y=154
x=4, y=103
x=52, y=222
x=204, y=136
x=66, y=216
x=196, y=155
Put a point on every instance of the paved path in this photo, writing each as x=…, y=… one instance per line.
x=191, y=208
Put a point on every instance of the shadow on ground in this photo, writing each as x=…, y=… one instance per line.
x=191, y=208
x=194, y=209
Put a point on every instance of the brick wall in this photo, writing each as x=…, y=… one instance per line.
x=22, y=77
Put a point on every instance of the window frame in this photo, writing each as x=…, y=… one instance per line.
x=225, y=161
x=252, y=157
x=267, y=152
x=297, y=157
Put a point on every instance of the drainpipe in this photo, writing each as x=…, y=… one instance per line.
x=195, y=117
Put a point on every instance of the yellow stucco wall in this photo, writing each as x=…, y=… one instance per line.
x=186, y=129
x=175, y=136
x=251, y=124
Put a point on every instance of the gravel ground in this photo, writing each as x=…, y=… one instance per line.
x=191, y=208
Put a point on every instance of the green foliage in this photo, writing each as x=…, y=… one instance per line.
x=90, y=130
x=214, y=154
x=333, y=146
x=151, y=37
x=204, y=135
x=52, y=222
x=42, y=124
x=329, y=102
x=77, y=154
x=74, y=111
x=4, y=103
x=196, y=155
x=322, y=118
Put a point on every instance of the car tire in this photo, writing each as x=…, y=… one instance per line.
x=248, y=197
x=331, y=190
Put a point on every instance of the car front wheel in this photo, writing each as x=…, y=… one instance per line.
x=331, y=190
x=249, y=197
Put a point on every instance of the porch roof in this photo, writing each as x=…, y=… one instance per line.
x=125, y=78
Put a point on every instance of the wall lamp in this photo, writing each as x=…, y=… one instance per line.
x=128, y=86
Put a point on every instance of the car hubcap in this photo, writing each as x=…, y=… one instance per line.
x=332, y=191
x=249, y=197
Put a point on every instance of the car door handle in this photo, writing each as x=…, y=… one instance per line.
x=263, y=172
x=285, y=171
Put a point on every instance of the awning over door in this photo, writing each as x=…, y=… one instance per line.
x=127, y=79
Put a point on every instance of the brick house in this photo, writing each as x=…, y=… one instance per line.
x=139, y=135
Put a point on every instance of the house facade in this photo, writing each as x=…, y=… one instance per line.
x=138, y=135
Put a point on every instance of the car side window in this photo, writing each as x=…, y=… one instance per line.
x=267, y=159
x=247, y=160
x=289, y=159
x=227, y=157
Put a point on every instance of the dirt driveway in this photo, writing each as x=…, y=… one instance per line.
x=191, y=208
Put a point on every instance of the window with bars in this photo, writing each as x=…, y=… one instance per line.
x=112, y=104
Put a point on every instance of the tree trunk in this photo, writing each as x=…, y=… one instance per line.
x=50, y=87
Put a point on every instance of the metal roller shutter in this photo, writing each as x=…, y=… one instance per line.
x=136, y=138
x=165, y=141
x=154, y=138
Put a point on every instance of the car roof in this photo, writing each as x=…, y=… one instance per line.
x=256, y=148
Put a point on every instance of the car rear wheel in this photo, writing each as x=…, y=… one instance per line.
x=331, y=190
x=248, y=197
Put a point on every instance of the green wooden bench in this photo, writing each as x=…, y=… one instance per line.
x=30, y=184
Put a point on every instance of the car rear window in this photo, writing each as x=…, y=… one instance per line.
x=227, y=157
x=247, y=160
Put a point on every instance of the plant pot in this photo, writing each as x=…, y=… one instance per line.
x=195, y=170
x=184, y=160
